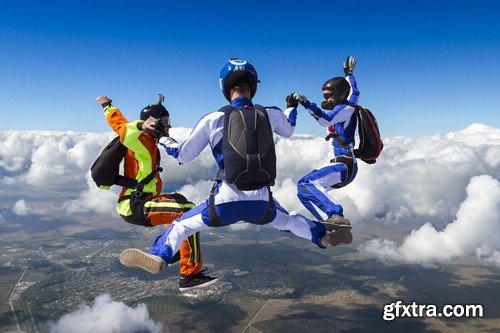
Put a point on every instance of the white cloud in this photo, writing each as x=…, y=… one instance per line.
x=423, y=177
x=105, y=316
x=21, y=208
x=414, y=178
x=198, y=192
x=93, y=199
x=49, y=159
x=474, y=231
x=476, y=135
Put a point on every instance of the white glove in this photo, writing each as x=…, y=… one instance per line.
x=349, y=65
x=168, y=141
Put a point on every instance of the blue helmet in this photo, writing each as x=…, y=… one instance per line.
x=238, y=71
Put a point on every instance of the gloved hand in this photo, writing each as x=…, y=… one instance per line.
x=149, y=124
x=349, y=65
x=291, y=101
x=103, y=100
x=301, y=99
x=167, y=140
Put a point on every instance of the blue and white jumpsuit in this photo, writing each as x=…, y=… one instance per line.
x=342, y=169
x=231, y=204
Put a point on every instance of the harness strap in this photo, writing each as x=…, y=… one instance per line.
x=125, y=197
x=349, y=163
x=267, y=216
x=125, y=182
x=337, y=138
x=140, y=185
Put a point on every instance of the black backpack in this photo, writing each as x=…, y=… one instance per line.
x=370, y=143
x=106, y=169
x=248, y=148
x=248, y=153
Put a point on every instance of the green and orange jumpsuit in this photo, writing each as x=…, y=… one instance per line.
x=148, y=207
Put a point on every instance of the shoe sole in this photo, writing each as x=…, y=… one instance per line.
x=137, y=258
x=200, y=286
x=333, y=226
x=342, y=237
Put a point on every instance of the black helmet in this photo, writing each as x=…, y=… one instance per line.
x=155, y=110
x=238, y=71
x=340, y=89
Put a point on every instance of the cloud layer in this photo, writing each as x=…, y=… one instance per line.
x=473, y=232
x=416, y=180
x=105, y=316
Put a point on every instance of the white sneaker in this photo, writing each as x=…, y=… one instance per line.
x=139, y=259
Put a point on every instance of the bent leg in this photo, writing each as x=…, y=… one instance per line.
x=298, y=224
x=191, y=262
x=165, y=208
x=167, y=244
x=312, y=190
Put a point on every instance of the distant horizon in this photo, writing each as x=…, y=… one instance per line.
x=319, y=132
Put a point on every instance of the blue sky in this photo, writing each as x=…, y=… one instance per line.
x=423, y=68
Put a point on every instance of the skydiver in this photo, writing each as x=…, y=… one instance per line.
x=340, y=122
x=146, y=206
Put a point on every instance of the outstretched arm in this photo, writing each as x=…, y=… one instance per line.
x=193, y=146
x=339, y=113
x=353, y=97
x=127, y=131
x=349, y=65
x=282, y=123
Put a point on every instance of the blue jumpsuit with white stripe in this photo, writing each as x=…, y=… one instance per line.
x=231, y=205
x=313, y=187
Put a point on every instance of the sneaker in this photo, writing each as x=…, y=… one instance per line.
x=139, y=259
x=335, y=222
x=337, y=237
x=199, y=280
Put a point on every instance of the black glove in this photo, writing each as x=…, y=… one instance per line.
x=291, y=101
x=302, y=100
x=349, y=65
